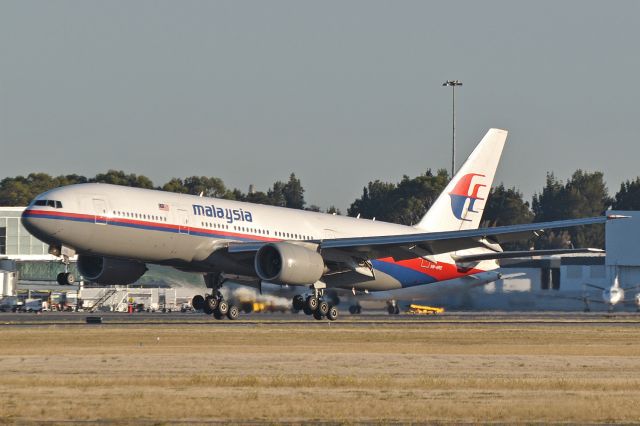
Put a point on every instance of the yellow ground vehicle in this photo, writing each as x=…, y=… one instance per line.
x=424, y=310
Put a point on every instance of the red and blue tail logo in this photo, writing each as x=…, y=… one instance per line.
x=460, y=195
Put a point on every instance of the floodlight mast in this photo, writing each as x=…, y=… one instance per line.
x=453, y=84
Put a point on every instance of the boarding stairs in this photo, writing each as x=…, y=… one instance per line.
x=106, y=295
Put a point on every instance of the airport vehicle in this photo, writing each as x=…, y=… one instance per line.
x=116, y=230
x=424, y=310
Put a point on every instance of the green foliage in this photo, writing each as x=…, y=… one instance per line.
x=584, y=195
x=20, y=190
x=118, y=177
x=404, y=203
x=628, y=198
x=506, y=207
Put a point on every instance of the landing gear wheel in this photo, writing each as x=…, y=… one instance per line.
x=306, y=310
x=223, y=307
x=197, y=302
x=396, y=311
x=217, y=315
x=70, y=279
x=60, y=278
x=298, y=302
x=207, y=309
x=211, y=302
x=317, y=315
x=353, y=309
x=312, y=303
x=323, y=308
x=391, y=309
x=332, y=315
x=233, y=313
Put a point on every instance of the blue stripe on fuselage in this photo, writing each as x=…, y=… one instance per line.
x=406, y=276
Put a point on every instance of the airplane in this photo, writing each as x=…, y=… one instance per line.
x=116, y=231
x=611, y=296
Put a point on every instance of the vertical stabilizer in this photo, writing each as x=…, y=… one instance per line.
x=461, y=204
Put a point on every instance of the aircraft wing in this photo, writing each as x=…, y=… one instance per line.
x=431, y=243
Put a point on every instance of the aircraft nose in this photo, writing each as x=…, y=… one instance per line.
x=39, y=225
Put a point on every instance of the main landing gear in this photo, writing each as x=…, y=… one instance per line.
x=392, y=307
x=315, y=305
x=214, y=303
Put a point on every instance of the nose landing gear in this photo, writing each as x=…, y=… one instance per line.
x=66, y=277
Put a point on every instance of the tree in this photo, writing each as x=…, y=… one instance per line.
x=293, y=193
x=506, y=207
x=405, y=202
x=584, y=195
x=118, y=177
x=628, y=198
x=276, y=194
x=19, y=191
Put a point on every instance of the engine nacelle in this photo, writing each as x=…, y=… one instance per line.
x=286, y=263
x=109, y=271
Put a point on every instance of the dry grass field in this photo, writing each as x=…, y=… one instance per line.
x=338, y=373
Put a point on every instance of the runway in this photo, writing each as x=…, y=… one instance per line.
x=363, y=320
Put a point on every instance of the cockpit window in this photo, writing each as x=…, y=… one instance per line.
x=49, y=203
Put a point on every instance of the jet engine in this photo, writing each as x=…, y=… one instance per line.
x=286, y=263
x=109, y=271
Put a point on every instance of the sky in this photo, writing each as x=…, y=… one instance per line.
x=339, y=92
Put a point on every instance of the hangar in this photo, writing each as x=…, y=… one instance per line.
x=562, y=282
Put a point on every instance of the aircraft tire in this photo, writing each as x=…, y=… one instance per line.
x=223, y=308
x=60, y=278
x=317, y=315
x=217, y=315
x=396, y=311
x=323, y=308
x=69, y=278
x=298, y=302
x=207, y=310
x=353, y=309
x=211, y=302
x=312, y=303
x=306, y=310
x=332, y=315
x=233, y=312
x=197, y=302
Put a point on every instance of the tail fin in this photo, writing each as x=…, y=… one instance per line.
x=461, y=204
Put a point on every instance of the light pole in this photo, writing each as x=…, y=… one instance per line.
x=453, y=84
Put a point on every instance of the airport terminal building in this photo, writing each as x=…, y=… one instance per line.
x=15, y=241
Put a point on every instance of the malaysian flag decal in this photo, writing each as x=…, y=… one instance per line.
x=163, y=207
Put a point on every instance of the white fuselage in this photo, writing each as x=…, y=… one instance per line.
x=187, y=231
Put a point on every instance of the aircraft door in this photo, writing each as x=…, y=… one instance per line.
x=100, y=211
x=183, y=222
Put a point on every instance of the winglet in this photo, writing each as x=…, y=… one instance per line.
x=618, y=216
